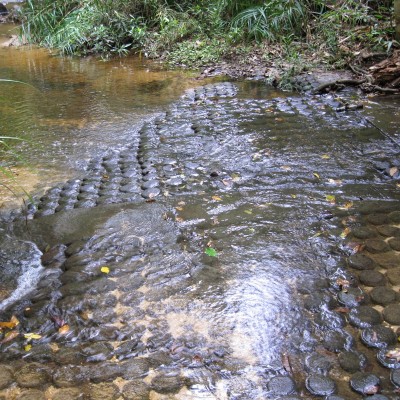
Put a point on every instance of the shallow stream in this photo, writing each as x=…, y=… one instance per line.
x=196, y=240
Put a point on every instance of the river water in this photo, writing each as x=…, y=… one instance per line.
x=192, y=239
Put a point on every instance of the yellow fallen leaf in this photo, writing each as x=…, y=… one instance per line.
x=248, y=212
x=286, y=168
x=346, y=206
x=316, y=175
x=105, y=270
x=331, y=198
x=64, y=329
x=345, y=233
x=325, y=156
x=54, y=347
x=293, y=196
x=179, y=208
x=31, y=336
x=216, y=198
x=28, y=347
x=179, y=219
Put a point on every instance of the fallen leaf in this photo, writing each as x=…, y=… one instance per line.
x=54, y=347
x=64, y=329
x=11, y=324
x=343, y=283
x=10, y=336
x=248, y=212
x=331, y=198
x=345, y=233
x=293, y=196
x=105, y=270
x=316, y=175
x=179, y=208
x=325, y=156
x=211, y=252
x=393, y=171
x=28, y=347
x=278, y=119
x=344, y=310
x=286, y=168
x=348, y=205
x=31, y=336
x=394, y=353
x=179, y=219
x=217, y=198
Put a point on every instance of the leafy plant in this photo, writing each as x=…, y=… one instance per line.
x=271, y=20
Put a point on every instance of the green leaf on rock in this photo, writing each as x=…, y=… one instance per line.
x=211, y=252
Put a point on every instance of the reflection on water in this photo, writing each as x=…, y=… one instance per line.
x=76, y=108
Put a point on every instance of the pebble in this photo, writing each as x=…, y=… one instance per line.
x=31, y=395
x=32, y=375
x=363, y=233
x=387, y=260
x=351, y=297
x=318, y=363
x=6, y=376
x=378, y=219
x=104, y=391
x=281, y=385
x=67, y=394
x=320, y=385
x=361, y=262
x=136, y=390
x=388, y=230
x=166, y=384
x=383, y=295
x=351, y=361
x=395, y=377
x=391, y=314
x=364, y=317
x=365, y=383
x=378, y=336
x=385, y=357
x=394, y=276
x=376, y=246
x=395, y=243
x=372, y=278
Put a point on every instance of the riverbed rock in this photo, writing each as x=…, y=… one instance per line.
x=361, y=262
x=383, y=295
x=352, y=297
x=320, y=385
x=68, y=394
x=364, y=317
x=70, y=376
x=6, y=376
x=395, y=377
x=32, y=375
x=167, y=383
x=391, y=314
x=103, y=391
x=352, y=361
x=372, y=278
x=135, y=390
x=365, y=383
x=281, y=385
x=378, y=336
x=388, y=357
x=394, y=276
x=31, y=395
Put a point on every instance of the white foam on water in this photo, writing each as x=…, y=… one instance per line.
x=28, y=281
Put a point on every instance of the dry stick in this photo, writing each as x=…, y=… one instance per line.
x=349, y=82
x=381, y=131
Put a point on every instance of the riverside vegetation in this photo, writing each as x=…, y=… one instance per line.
x=288, y=36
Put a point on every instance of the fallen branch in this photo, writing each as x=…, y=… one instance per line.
x=338, y=84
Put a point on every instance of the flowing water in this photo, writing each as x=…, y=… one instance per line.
x=194, y=240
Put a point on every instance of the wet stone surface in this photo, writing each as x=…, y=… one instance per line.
x=221, y=254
